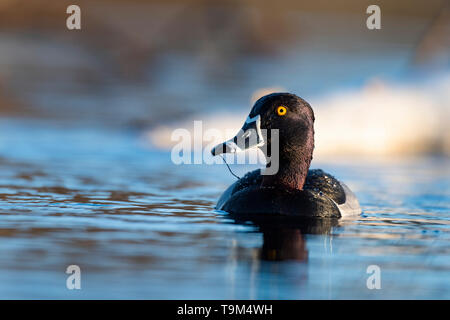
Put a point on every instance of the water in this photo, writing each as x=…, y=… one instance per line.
x=140, y=227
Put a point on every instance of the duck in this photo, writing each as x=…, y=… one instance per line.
x=286, y=187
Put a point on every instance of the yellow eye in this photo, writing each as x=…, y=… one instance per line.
x=281, y=110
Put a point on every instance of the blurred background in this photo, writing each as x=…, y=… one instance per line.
x=86, y=118
x=158, y=65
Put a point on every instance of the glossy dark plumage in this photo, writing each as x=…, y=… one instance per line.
x=294, y=190
x=320, y=197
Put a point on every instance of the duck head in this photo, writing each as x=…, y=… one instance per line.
x=282, y=126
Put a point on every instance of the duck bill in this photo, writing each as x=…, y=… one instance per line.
x=250, y=136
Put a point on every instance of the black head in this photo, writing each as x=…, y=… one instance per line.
x=290, y=114
x=293, y=120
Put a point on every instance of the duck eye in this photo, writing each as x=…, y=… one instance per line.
x=281, y=110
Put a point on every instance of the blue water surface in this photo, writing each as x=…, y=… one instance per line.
x=140, y=227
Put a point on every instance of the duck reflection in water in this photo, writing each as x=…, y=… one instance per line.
x=281, y=259
x=285, y=239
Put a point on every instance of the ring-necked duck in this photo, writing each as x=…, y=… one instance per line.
x=293, y=190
